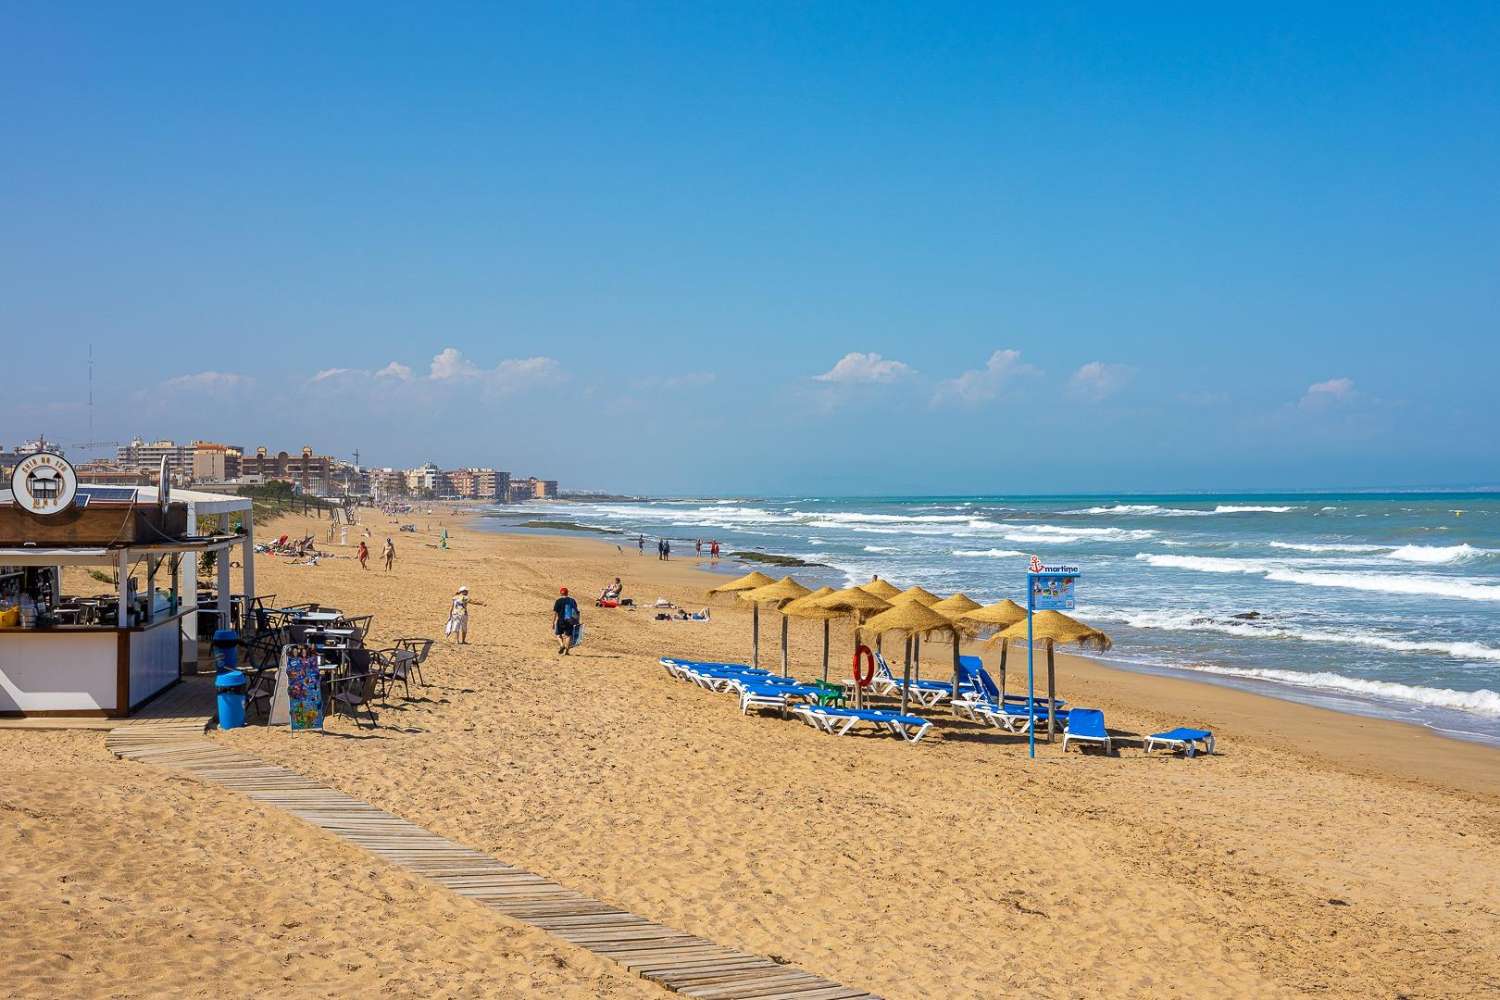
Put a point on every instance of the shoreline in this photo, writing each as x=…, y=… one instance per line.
x=1273, y=696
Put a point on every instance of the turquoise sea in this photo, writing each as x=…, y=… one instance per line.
x=1384, y=604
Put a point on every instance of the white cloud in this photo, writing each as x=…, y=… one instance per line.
x=517, y=371
x=450, y=363
x=1321, y=394
x=978, y=385
x=208, y=381
x=395, y=370
x=856, y=367
x=1099, y=379
x=328, y=373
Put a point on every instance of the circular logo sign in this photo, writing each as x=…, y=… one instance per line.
x=44, y=484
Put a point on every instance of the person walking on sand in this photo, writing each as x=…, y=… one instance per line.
x=564, y=621
x=666, y=549
x=389, y=553
x=698, y=546
x=458, y=617
x=364, y=555
x=640, y=543
x=713, y=550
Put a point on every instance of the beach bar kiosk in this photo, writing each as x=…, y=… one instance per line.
x=96, y=618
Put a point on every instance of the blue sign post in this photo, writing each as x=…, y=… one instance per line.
x=1048, y=588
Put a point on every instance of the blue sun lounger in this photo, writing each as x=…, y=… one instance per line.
x=839, y=721
x=928, y=692
x=1183, y=739
x=1086, y=725
x=756, y=694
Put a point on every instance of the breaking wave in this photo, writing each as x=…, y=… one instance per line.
x=1482, y=702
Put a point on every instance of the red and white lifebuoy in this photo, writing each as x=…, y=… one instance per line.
x=863, y=652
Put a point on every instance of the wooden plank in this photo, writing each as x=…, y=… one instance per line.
x=671, y=958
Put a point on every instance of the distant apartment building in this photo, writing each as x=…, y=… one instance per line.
x=104, y=472
x=477, y=483
x=543, y=489
x=350, y=480
x=215, y=463
x=309, y=473
x=10, y=456
x=147, y=455
x=423, y=480
x=387, y=483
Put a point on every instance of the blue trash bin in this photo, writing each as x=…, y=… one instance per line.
x=226, y=642
x=231, y=687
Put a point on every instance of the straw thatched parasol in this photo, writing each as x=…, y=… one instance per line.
x=880, y=588
x=1053, y=627
x=808, y=607
x=747, y=582
x=778, y=594
x=854, y=600
x=914, y=618
x=955, y=607
x=921, y=595
x=1002, y=613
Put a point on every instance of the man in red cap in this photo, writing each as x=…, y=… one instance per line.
x=565, y=621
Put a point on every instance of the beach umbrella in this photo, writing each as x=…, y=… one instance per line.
x=1054, y=627
x=953, y=609
x=912, y=618
x=747, y=582
x=920, y=595
x=856, y=602
x=777, y=594
x=1003, y=614
x=914, y=593
x=807, y=607
x=880, y=588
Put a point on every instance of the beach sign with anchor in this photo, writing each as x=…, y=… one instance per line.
x=1048, y=588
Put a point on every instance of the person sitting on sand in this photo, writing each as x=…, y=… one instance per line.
x=613, y=591
x=695, y=616
x=564, y=621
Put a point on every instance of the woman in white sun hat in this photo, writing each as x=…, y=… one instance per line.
x=458, y=618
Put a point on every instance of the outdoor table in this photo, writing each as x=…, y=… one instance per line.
x=315, y=617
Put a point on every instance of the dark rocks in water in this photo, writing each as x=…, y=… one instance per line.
x=1249, y=616
x=567, y=526
x=771, y=558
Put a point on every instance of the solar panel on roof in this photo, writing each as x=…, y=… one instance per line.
x=106, y=494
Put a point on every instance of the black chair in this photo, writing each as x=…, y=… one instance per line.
x=420, y=649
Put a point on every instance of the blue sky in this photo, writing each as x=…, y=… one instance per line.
x=774, y=248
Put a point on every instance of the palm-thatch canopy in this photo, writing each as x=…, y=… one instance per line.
x=880, y=589
x=853, y=599
x=1056, y=627
x=922, y=596
x=954, y=607
x=1003, y=613
x=913, y=618
x=808, y=606
x=747, y=582
x=783, y=590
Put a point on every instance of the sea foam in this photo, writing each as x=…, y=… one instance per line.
x=1481, y=702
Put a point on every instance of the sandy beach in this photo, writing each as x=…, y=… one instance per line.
x=1316, y=853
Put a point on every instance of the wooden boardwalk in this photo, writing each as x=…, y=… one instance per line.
x=170, y=733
